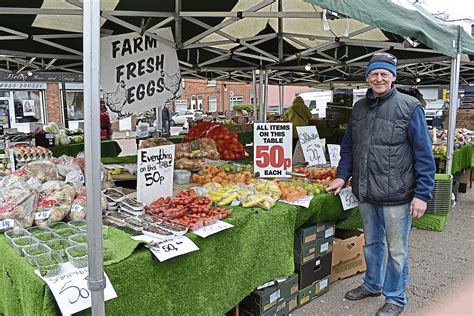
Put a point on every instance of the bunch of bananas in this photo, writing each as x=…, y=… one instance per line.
x=265, y=194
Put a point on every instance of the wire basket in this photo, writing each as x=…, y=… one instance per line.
x=441, y=195
x=430, y=222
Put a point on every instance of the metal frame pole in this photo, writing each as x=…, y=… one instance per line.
x=265, y=104
x=453, y=107
x=261, y=97
x=254, y=87
x=91, y=69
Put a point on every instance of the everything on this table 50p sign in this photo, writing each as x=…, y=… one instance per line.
x=272, y=149
x=155, y=168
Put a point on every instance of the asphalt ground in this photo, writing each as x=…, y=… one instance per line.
x=441, y=273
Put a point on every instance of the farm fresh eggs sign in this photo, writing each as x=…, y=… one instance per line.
x=138, y=73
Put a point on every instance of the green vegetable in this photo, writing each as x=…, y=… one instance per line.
x=35, y=252
x=23, y=242
x=59, y=226
x=47, y=265
x=78, y=253
x=80, y=239
x=58, y=244
x=37, y=230
x=45, y=237
x=65, y=233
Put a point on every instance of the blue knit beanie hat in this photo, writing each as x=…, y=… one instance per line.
x=382, y=61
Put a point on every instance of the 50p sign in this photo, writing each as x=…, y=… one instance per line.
x=272, y=149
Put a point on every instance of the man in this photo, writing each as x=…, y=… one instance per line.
x=387, y=151
x=166, y=118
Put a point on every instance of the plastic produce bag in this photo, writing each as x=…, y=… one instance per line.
x=55, y=204
x=75, y=178
x=78, y=207
x=44, y=170
x=20, y=208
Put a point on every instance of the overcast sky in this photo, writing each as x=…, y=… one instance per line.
x=456, y=9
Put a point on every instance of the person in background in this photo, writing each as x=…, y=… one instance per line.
x=166, y=118
x=387, y=151
x=298, y=114
x=105, y=125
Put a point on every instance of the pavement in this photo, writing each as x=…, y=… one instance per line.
x=441, y=273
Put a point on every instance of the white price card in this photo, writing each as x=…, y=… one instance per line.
x=348, y=199
x=155, y=170
x=272, y=149
x=334, y=154
x=42, y=215
x=323, y=284
x=6, y=223
x=329, y=232
x=311, y=145
x=167, y=249
x=212, y=229
x=303, y=202
x=70, y=289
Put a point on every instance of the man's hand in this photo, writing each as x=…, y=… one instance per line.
x=417, y=208
x=336, y=185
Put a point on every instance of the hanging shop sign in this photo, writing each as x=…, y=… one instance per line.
x=311, y=145
x=334, y=154
x=273, y=149
x=138, y=73
x=348, y=199
x=71, y=291
x=155, y=168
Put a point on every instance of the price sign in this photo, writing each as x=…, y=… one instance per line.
x=212, y=229
x=70, y=289
x=334, y=154
x=311, y=145
x=348, y=199
x=6, y=223
x=167, y=249
x=42, y=215
x=303, y=202
x=272, y=149
x=155, y=167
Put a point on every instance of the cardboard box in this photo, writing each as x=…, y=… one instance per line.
x=348, y=268
x=347, y=245
x=306, y=254
x=282, y=308
x=321, y=286
x=307, y=236
x=305, y=295
x=464, y=119
x=314, y=270
x=262, y=301
x=246, y=312
x=289, y=287
x=292, y=302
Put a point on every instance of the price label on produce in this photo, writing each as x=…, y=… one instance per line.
x=303, y=202
x=167, y=249
x=334, y=154
x=155, y=168
x=212, y=229
x=6, y=223
x=70, y=289
x=272, y=149
x=311, y=145
x=42, y=215
x=348, y=199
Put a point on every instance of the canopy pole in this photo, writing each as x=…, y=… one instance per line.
x=265, y=104
x=453, y=107
x=91, y=69
x=281, y=95
x=280, y=32
x=261, y=98
x=254, y=102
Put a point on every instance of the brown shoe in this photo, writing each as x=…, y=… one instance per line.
x=389, y=310
x=359, y=293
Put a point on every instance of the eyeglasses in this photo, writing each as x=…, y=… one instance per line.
x=374, y=75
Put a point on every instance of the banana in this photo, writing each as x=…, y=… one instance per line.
x=265, y=204
x=254, y=201
x=228, y=199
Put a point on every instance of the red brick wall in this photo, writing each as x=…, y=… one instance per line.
x=53, y=103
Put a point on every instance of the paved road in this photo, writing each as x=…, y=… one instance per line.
x=441, y=273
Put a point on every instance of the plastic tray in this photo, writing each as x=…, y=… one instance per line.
x=78, y=239
x=38, y=230
x=15, y=233
x=47, y=236
x=58, y=226
x=49, y=269
x=34, y=251
x=67, y=232
x=61, y=249
x=22, y=242
x=182, y=176
x=430, y=222
x=78, y=224
x=74, y=259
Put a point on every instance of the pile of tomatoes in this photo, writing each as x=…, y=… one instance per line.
x=227, y=143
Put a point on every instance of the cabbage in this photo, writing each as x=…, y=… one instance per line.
x=52, y=128
x=64, y=139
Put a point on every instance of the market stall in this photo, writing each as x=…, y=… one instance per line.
x=109, y=148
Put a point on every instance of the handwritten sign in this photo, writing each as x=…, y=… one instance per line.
x=272, y=149
x=167, y=249
x=139, y=72
x=212, y=229
x=70, y=289
x=155, y=168
x=303, y=202
x=42, y=215
x=348, y=199
x=334, y=154
x=310, y=143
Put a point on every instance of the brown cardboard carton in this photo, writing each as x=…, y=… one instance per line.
x=348, y=268
x=347, y=245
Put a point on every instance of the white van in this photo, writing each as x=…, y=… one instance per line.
x=317, y=101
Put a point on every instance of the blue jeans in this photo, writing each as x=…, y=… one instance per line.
x=387, y=274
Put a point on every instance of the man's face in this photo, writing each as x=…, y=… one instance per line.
x=380, y=80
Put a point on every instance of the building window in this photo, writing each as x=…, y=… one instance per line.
x=212, y=104
x=236, y=100
x=27, y=105
x=193, y=102
x=180, y=105
x=199, y=103
x=75, y=105
x=252, y=97
x=211, y=83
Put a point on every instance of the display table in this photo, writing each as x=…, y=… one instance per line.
x=109, y=148
x=228, y=266
x=462, y=158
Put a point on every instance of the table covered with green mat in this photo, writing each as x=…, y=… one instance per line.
x=109, y=148
x=210, y=281
x=462, y=158
x=245, y=137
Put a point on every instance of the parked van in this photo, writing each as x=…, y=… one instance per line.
x=316, y=101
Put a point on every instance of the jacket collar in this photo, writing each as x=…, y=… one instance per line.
x=373, y=101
